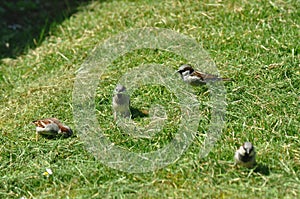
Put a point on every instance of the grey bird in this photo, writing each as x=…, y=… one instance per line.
x=246, y=155
x=196, y=78
x=121, y=102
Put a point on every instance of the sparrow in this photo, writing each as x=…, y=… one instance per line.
x=196, y=78
x=245, y=155
x=121, y=102
x=51, y=127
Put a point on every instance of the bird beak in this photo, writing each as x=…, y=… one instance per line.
x=176, y=72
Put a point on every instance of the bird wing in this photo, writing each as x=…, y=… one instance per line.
x=55, y=120
x=206, y=76
x=203, y=76
x=44, y=122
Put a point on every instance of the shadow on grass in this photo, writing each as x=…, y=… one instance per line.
x=57, y=137
x=26, y=23
x=136, y=113
x=262, y=169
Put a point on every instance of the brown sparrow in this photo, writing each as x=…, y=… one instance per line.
x=121, y=102
x=196, y=78
x=51, y=127
x=245, y=155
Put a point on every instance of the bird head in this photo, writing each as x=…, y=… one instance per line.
x=249, y=149
x=120, y=89
x=186, y=68
x=66, y=130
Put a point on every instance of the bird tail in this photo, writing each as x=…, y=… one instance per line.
x=226, y=79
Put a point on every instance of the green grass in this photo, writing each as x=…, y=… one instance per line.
x=255, y=43
x=25, y=24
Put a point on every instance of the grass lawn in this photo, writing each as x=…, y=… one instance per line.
x=255, y=43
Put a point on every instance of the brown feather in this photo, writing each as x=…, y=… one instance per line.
x=65, y=130
x=206, y=76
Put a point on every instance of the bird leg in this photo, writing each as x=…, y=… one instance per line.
x=37, y=136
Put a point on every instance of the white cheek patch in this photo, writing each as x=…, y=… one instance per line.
x=242, y=151
x=186, y=73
